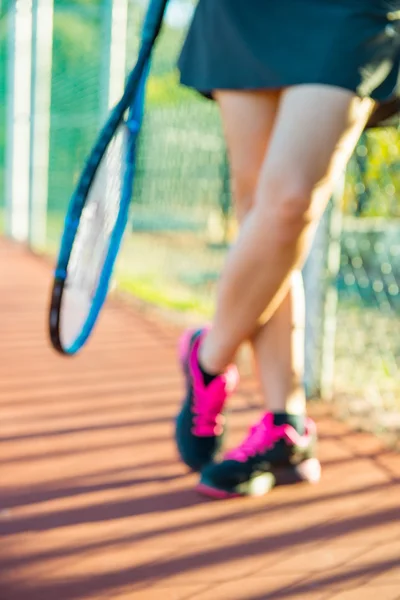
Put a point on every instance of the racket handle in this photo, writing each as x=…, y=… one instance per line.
x=153, y=21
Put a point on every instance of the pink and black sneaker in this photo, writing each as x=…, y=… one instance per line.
x=280, y=449
x=200, y=423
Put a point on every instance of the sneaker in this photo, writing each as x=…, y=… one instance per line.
x=200, y=423
x=270, y=455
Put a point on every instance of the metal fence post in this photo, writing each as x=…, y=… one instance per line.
x=115, y=23
x=320, y=273
x=42, y=47
x=18, y=116
x=331, y=294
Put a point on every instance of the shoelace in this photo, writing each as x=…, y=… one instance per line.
x=264, y=436
x=208, y=420
x=205, y=425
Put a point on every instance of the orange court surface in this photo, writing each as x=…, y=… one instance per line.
x=94, y=503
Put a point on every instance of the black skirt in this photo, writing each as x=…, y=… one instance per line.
x=272, y=44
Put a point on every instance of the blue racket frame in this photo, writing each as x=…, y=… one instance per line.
x=132, y=103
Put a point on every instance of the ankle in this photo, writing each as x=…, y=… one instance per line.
x=207, y=376
x=287, y=399
x=297, y=421
x=208, y=357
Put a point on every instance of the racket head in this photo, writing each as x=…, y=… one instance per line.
x=93, y=232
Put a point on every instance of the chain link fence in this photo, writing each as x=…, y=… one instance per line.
x=180, y=201
x=367, y=382
x=76, y=92
x=182, y=220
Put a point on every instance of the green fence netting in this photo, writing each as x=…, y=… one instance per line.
x=75, y=101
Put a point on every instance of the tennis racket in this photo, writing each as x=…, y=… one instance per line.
x=98, y=210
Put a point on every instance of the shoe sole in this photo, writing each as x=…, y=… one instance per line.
x=217, y=494
x=308, y=471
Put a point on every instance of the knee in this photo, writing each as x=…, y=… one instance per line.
x=285, y=206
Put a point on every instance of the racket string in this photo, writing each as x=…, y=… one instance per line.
x=98, y=220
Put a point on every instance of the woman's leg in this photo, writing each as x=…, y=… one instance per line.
x=278, y=346
x=248, y=119
x=314, y=134
x=316, y=130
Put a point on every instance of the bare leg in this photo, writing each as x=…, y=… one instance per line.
x=248, y=119
x=279, y=353
x=315, y=133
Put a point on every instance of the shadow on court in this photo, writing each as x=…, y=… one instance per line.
x=94, y=503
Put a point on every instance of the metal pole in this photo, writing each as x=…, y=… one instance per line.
x=320, y=273
x=115, y=23
x=18, y=116
x=331, y=296
x=42, y=47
